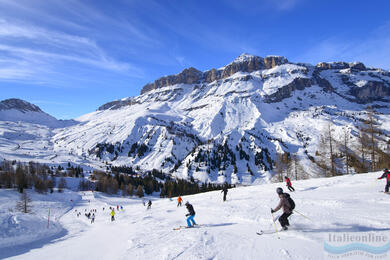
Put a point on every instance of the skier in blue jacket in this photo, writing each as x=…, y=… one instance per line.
x=191, y=214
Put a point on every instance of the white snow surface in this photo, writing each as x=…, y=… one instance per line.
x=350, y=203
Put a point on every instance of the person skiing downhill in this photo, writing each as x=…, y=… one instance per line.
x=179, y=200
x=149, y=204
x=287, y=211
x=225, y=191
x=112, y=214
x=93, y=218
x=191, y=214
x=288, y=184
x=386, y=174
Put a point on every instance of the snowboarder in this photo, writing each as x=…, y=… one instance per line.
x=288, y=184
x=179, y=200
x=225, y=191
x=386, y=174
x=149, y=204
x=93, y=218
x=112, y=215
x=191, y=214
x=287, y=208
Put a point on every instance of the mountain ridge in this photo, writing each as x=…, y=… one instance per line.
x=230, y=129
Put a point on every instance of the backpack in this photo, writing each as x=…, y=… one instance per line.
x=290, y=201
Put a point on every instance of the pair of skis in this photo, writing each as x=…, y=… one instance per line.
x=184, y=227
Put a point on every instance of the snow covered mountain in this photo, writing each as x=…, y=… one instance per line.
x=17, y=110
x=224, y=124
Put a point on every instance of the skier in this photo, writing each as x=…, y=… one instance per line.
x=386, y=174
x=191, y=214
x=93, y=218
x=117, y=207
x=112, y=215
x=179, y=200
x=285, y=204
x=225, y=191
x=149, y=204
x=288, y=184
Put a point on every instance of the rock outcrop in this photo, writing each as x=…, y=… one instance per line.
x=286, y=91
x=371, y=91
x=243, y=63
x=187, y=76
x=18, y=104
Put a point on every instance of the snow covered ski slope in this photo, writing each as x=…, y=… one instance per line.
x=331, y=206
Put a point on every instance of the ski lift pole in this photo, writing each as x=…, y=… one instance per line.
x=302, y=215
x=276, y=229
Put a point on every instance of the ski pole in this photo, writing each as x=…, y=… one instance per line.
x=275, y=225
x=302, y=215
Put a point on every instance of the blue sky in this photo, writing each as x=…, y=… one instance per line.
x=70, y=57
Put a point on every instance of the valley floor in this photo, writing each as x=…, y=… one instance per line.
x=331, y=206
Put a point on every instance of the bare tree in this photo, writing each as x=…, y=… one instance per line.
x=373, y=131
x=140, y=191
x=326, y=151
x=61, y=184
x=24, y=205
x=345, y=149
x=281, y=165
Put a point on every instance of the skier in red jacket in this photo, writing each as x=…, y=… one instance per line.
x=288, y=183
x=386, y=174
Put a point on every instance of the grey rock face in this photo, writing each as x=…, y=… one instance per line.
x=18, y=104
x=117, y=104
x=333, y=65
x=244, y=63
x=285, y=91
x=273, y=61
x=187, y=76
x=372, y=91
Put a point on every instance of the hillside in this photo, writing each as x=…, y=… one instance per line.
x=227, y=124
x=332, y=206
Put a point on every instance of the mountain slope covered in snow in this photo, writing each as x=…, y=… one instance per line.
x=225, y=124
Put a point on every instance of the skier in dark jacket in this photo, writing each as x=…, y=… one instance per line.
x=386, y=174
x=225, y=191
x=283, y=203
x=149, y=204
x=288, y=183
x=191, y=214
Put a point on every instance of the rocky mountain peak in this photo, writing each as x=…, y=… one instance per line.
x=244, y=63
x=18, y=104
x=245, y=57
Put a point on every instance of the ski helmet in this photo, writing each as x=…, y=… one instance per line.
x=279, y=190
x=187, y=203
